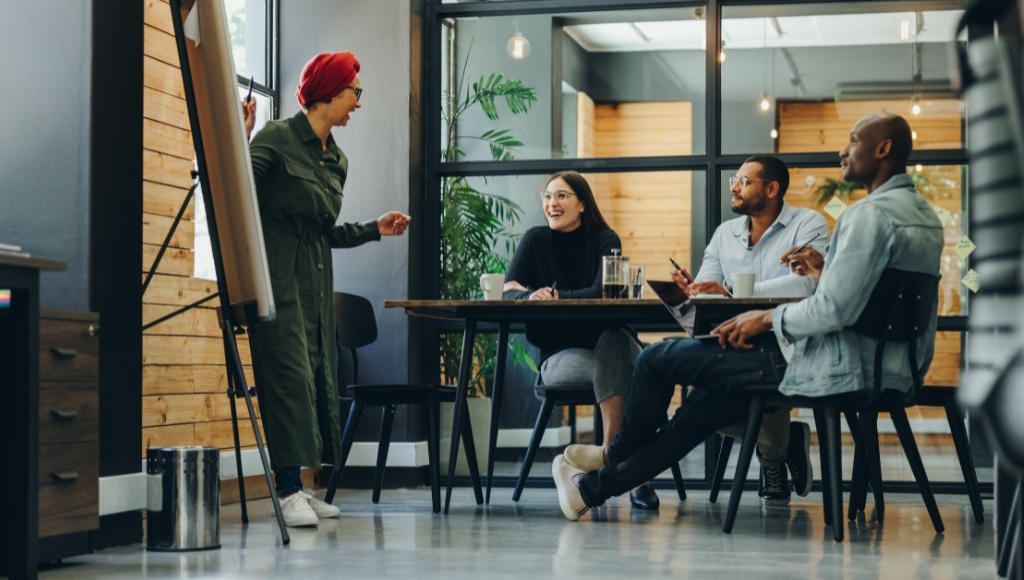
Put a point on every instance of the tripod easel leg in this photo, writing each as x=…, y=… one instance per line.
x=238, y=448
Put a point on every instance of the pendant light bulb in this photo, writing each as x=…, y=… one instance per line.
x=765, y=103
x=518, y=47
x=775, y=133
x=698, y=15
x=916, y=109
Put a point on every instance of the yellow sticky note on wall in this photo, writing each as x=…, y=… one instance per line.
x=942, y=213
x=964, y=247
x=835, y=207
x=971, y=280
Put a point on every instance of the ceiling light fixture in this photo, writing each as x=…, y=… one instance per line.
x=775, y=133
x=518, y=47
x=918, y=167
x=765, y=103
x=916, y=109
x=913, y=135
x=698, y=15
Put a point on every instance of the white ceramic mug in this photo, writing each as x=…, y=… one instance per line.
x=491, y=285
x=743, y=285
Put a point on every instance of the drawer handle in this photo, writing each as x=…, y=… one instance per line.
x=64, y=415
x=65, y=475
x=94, y=330
x=64, y=352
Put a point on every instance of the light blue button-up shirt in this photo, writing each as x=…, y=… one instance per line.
x=730, y=252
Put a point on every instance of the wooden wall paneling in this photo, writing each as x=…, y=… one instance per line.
x=165, y=108
x=189, y=350
x=167, y=139
x=584, y=126
x=158, y=410
x=174, y=262
x=178, y=290
x=178, y=379
x=160, y=45
x=196, y=322
x=166, y=169
x=156, y=227
x=165, y=200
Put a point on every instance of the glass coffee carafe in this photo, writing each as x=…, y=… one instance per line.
x=615, y=275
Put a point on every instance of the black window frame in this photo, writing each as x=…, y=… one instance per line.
x=272, y=61
x=712, y=162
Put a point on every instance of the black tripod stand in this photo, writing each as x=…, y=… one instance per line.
x=232, y=321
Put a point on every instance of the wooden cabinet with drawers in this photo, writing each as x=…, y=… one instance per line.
x=69, y=415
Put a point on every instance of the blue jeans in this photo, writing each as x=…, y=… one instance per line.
x=287, y=480
x=646, y=446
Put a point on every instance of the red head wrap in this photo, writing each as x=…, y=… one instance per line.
x=325, y=76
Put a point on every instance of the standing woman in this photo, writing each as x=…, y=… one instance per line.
x=300, y=174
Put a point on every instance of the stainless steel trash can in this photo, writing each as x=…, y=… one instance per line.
x=183, y=498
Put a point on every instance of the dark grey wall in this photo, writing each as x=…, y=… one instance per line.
x=376, y=142
x=45, y=64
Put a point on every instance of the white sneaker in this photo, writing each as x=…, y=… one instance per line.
x=296, y=511
x=569, y=498
x=320, y=508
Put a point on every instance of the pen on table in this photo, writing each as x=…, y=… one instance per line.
x=783, y=261
x=689, y=278
x=249, y=96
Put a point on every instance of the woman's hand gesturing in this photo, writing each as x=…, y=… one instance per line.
x=393, y=223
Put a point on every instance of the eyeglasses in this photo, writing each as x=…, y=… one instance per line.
x=557, y=196
x=357, y=91
x=745, y=181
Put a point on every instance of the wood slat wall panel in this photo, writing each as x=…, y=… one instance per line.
x=189, y=409
x=174, y=262
x=165, y=200
x=182, y=379
x=160, y=45
x=177, y=290
x=167, y=139
x=196, y=322
x=164, y=108
x=158, y=15
x=166, y=169
x=219, y=434
x=155, y=228
x=162, y=77
x=189, y=350
x=168, y=436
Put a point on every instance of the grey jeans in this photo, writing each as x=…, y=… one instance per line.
x=609, y=366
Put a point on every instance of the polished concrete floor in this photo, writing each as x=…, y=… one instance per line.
x=401, y=538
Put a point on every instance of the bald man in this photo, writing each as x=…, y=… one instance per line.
x=893, y=227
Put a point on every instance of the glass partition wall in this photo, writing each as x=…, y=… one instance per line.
x=658, y=103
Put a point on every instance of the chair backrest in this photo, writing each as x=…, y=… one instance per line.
x=356, y=324
x=900, y=308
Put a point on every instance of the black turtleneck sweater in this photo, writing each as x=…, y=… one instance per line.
x=572, y=259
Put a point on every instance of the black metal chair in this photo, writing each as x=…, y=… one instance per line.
x=899, y=310
x=357, y=327
x=551, y=396
x=570, y=395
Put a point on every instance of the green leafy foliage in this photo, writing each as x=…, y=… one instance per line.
x=844, y=189
x=475, y=223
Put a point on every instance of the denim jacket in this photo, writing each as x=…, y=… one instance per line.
x=894, y=227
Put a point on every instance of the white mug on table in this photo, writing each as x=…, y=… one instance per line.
x=743, y=285
x=491, y=285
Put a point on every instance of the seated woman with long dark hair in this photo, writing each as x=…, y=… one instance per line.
x=563, y=261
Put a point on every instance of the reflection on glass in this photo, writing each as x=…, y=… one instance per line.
x=820, y=67
x=626, y=84
x=247, y=27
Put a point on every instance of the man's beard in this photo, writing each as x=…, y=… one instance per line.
x=753, y=205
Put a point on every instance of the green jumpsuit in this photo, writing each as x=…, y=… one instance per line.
x=299, y=189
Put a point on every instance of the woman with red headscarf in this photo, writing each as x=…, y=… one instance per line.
x=300, y=175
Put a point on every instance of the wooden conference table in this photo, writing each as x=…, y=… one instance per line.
x=710, y=312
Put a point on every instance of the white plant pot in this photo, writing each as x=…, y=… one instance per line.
x=480, y=417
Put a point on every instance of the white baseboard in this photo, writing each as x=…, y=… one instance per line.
x=122, y=493
x=919, y=426
x=520, y=438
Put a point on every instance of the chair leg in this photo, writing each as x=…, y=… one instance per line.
x=538, y=433
x=826, y=489
x=572, y=424
x=754, y=418
x=387, y=419
x=723, y=462
x=599, y=427
x=677, y=476
x=833, y=443
x=1008, y=538
x=858, y=479
x=963, y=452
x=899, y=419
x=873, y=461
x=355, y=413
x=434, y=452
x=474, y=467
